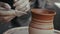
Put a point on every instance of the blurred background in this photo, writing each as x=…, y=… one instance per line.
x=25, y=19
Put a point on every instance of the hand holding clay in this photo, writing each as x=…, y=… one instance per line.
x=22, y=6
x=5, y=12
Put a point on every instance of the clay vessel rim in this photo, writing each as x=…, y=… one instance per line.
x=34, y=11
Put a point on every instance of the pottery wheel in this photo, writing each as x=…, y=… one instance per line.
x=20, y=30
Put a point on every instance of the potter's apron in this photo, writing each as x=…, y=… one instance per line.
x=4, y=27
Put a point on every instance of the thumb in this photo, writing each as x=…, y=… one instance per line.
x=5, y=5
x=16, y=0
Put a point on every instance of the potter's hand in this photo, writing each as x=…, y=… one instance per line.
x=3, y=17
x=6, y=16
x=5, y=5
x=22, y=6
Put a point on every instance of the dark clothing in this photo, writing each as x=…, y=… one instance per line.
x=34, y=4
x=22, y=21
x=4, y=27
x=57, y=18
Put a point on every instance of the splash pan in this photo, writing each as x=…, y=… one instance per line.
x=22, y=30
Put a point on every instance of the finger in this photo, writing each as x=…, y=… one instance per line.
x=8, y=18
x=2, y=19
x=22, y=5
x=24, y=8
x=5, y=12
x=18, y=2
x=11, y=18
x=20, y=13
x=28, y=7
x=5, y=16
x=7, y=6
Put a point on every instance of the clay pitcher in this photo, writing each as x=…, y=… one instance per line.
x=42, y=21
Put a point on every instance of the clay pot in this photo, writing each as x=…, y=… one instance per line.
x=42, y=21
x=43, y=14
